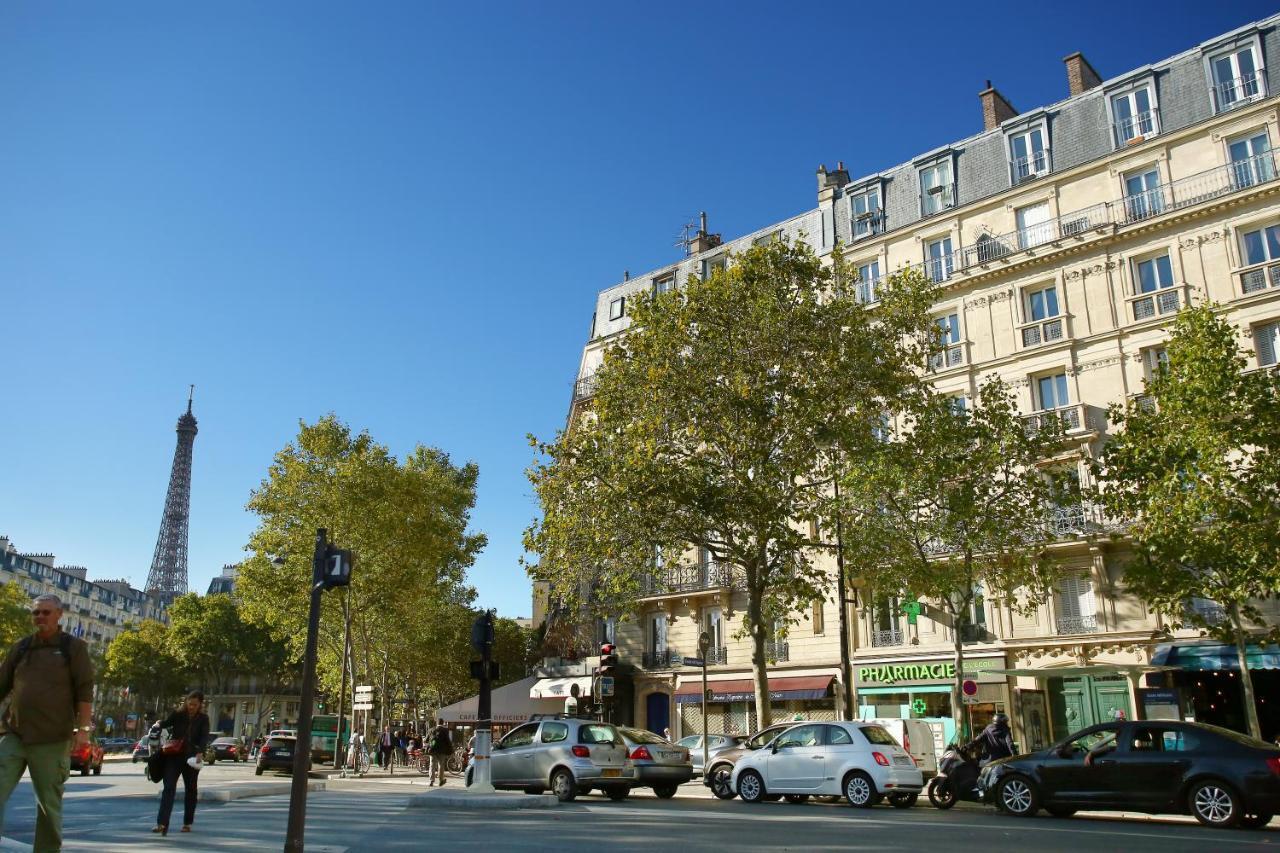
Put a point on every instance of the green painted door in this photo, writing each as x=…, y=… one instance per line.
x=1079, y=702
x=1109, y=696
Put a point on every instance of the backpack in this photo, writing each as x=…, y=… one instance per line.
x=440, y=742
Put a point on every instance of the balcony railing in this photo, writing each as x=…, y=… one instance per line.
x=690, y=577
x=937, y=199
x=1200, y=187
x=1135, y=128
x=777, y=651
x=950, y=356
x=1075, y=519
x=888, y=638
x=1229, y=94
x=584, y=388
x=1068, y=419
x=1043, y=331
x=868, y=224
x=1258, y=278
x=1068, y=625
x=1034, y=165
x=996, y=247
x=1211, y=612
x=717, y=656
x=1157, y=303
x=868, y=290
x=661, y=659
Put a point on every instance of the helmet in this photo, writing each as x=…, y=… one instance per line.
x=1001, y=718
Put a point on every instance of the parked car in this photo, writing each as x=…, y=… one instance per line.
x=860, y=760
x=916, y=737
x=564, y=755
x=1221, y=777
x=277, y=754
x=716, y=744
x=227, y=749
x=718, y=777
x=141, y=751
x=660, y=764
x=88, y=758
x=283, y=733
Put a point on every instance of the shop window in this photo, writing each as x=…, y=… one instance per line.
x=934, y=704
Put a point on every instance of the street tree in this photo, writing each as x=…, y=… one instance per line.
x=953, y=508
x=713, y=424
x=15, y=614
x=1195, y=473
x=139, y=659
x=405, y=520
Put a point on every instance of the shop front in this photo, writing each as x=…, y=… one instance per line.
x=731, y=708
x=1206, y=676
x=920, y=689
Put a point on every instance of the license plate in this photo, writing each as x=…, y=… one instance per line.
x=670, y=756
x=904, y=760
x=610, y=772
x=284, y=754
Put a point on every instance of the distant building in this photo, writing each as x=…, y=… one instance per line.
x=226, y=582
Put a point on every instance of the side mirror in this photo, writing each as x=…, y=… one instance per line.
x=773, y=747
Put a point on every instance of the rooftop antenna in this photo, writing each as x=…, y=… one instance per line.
x=684, y=241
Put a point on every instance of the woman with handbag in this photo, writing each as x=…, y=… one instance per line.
x=188, y=730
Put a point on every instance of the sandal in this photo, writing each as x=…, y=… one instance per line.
x=161, y=828
x=186, y=827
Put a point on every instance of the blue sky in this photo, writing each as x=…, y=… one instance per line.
x=401, y=213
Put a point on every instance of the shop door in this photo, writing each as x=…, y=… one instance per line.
x=657, y=712
x=1069, y=705
x=1111, y=696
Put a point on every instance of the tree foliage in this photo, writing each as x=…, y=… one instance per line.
x=407, y=523
x=713, y=425
x=953, y=508
x=1196, y=475
x=139, y=658
x=15, y=614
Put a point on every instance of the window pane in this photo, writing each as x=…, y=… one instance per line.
x=1254, y=253
x=1142, y=99
x=1245, y=61
x=1121, y=106
x=1273, y=242
x=1051, y=301
x=1037, y=305
x=1223, y=70
x=1164, y=271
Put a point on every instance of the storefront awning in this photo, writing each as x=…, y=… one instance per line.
x=744, y=689
x=1092, y=670
x=1196, y=657
x=559, y=688
x=510, y=703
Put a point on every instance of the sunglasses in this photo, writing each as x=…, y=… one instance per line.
x=42, y=612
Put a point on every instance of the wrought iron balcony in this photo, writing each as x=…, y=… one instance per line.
x=1241, y=90
x=1135, y=128
x=1158, y=303
x=950, y=356
x=1258, y=278
x=1069, y=419
x=891, y=637
x=661, y=659
x=868, y=224
x=1075, y=519
x=1069, y=625
x=777, y=651
x=1200, y=187
x=717, y=656
x=584, y=388
x=690, y=577
x=1034, y=165
x=996, y=247
x=1043, y=331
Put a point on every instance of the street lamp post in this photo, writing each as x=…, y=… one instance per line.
x=846, y=669
x=338, y=753
x=704, y=644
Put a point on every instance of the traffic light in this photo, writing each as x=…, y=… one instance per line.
x=482, y=632
x=337, y=568
x=608, y=667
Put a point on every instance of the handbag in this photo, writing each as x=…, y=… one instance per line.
x=155, y=767
x=177, y=746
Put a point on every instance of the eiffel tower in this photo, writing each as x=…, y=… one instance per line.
x=168, y=577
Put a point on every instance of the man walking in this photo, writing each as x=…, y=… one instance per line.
x=441, y=747
x=48, y=680
x=387, y=748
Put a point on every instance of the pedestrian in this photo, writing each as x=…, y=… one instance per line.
x=188, y=733
x=996, y=741
x=47, y=680
x=386, y=747
x=402, y=746
x=571, y=701
x=441, y=747
x=666, y=733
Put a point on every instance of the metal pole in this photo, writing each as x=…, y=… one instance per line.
x=481, y=777
x=338, y=751
x=302, y=754
x=846, y=670
x=704, y=645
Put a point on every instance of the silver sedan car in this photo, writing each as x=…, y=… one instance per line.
x=716, y=744
x=660, y=764
x=566, y=755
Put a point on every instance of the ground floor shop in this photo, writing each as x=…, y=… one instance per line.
x=1206, y=685
x=675, y=702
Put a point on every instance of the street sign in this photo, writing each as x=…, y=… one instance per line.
x=362, y=706
x=969, y=687
x=693, y=662
x=606, y=685
x=969, y=700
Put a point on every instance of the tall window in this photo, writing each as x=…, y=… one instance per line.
x=868, y=281
x=1041, y=306
x=1142, y=195
x=1133, y=115
x=1034, y=226
x=1153, y=283
x=1236, y=78
x=1251, y=160
x=1267, y=340
x=608, y=630
x=617, y=308
x=940, y=261
x=819, y=618
x=658, y=634
x=1155, y=360
x=664, y=284
x=949, y=339
x=1029, y=152
x=886, y=622
x=713, y=624
x=1077, y=607
x=1051, y=392
x=937, y=188
x=868, y=218
x=712, y=265
x=1260, y=246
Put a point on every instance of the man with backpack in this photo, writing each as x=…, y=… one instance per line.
x=440, y=745
x=47, y=681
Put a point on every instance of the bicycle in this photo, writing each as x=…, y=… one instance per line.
x=359, y=762
x=457, y=760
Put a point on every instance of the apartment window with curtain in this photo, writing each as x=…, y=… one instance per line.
x=1044, y=320
x=1237, y=77
x=868, y=281
x=952, y=352
x=1076, y=604
x=866, y=213
x=1134, y=116
x=1260, y=246
x=937, y=188
x=713, y=624
x=1267, y=343
x=1034, y=226
x=1153, y=285
x=1143, y=195
x=1251, y=159
x=1029, y=154
x=939, y=261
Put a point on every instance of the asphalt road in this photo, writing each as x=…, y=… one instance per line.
x=116, y=811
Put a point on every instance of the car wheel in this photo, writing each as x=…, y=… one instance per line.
x=97, y=771
x=860, y=790
x=84, y=771
x=1255, y=821
x=1017, y=796
x=903, y=801
x=562, y=785
x=665, y=791
x=617, y=794
x=796, y=799
x=1060, y=811
x=941, y=793
x=722, y=782
x=257, y=771
x=1214, y=804
x=751, y=786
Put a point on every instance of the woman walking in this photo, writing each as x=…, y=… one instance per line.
x=188, y=730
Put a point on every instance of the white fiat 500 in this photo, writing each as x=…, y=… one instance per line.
x=859, y=761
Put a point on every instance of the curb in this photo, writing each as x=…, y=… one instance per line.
x=500, y=801
x=15, y=846
x=226, y=794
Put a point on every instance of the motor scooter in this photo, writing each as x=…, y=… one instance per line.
x=956, y=780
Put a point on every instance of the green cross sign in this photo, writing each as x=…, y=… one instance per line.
x=918, y=707
x=912, y=609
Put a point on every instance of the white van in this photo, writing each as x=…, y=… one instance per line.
x=916, y=737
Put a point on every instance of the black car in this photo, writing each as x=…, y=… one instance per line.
x=226, y=749
x=1221, y=777
x=277, y=754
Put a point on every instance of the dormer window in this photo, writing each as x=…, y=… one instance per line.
x=937, y=188
x=618, y=308
x=866, y=212
x=1134, y=116
x=1237, y=76
x=1029, y=154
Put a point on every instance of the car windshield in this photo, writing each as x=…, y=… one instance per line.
x=280, y=741
x=878, y=735
x=689, y=742
x=640, y=736
x=225, y=740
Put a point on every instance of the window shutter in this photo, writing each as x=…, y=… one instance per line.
x=1268, y=342
x=1069, y=598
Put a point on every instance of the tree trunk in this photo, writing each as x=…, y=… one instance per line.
x=1246, y=679
x=759, y=666
x=957, y=695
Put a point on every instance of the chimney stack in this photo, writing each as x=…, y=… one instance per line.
x=702, y=241
x=829, y=182
x=1080, y=74
x=996, y=109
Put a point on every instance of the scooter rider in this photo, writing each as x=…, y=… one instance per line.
x=996, y=740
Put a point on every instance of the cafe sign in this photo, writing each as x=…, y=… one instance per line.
x=927, y=672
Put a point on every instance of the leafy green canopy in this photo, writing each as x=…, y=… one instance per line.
x=714, y=423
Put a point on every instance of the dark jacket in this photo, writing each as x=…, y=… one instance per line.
x=194, y=731
x=44, y=684
x=996, y=741
x=439, y=742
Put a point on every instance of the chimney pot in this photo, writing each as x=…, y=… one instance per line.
x=1081, y=76
x=995, y=107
